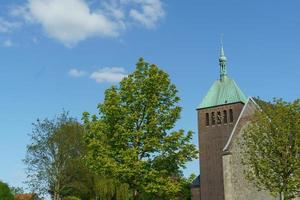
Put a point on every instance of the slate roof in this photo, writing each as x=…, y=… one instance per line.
x=196, y=182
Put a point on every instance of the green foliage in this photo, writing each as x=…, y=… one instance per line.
x=271, y=148
x=56, y=147
x=5, y=192
x=71, y=198
x=16, y=190
x=109, y=188
x=55, y=163
x=133, y=140
x=185, y=193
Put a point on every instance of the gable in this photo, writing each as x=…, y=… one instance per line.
x=248, y=110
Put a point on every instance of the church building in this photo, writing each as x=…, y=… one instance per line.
x=222, y=115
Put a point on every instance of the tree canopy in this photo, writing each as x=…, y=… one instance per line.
x=271, y=148
x=56, y=147
x=5, y=192
x=133, y=139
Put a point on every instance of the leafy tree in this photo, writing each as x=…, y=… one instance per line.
x=109, y=188
x=5, y=193
x=185, y=193
x=271, y=148
x=16, y=190
x=55, y=147
x=90, y=186
x=133, y=141
x=71, y=198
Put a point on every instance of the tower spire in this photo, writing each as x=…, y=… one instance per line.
x=222, y=62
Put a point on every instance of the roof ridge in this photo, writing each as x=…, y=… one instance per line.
x=237, y=89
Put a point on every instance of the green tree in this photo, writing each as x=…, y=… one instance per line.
x=185, y=193
x=16, y=190
x=271, y=148
x=55, y=148
x=71, y=198
x=133, y=138
x=5, y=192
x=109, y=188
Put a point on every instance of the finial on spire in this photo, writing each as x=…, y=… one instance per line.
x=222, y=61
x=222, y=54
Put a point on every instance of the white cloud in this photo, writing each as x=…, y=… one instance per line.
x=114, y=10
x=77, y=73
x=151, y=12
x=7, y=26
x=7, y=43
x=72, y=21
x=107, y=74
x=114, y=74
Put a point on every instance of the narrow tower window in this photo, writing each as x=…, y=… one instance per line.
x=230, y=115
x=225, y=116
x=213, y=120
x=207, y=119
x=219, y=118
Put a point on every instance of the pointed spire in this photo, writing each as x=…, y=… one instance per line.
x=222, y=62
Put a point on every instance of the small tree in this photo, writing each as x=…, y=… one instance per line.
x=5, y=192
x=271, y=148
x=133, y=139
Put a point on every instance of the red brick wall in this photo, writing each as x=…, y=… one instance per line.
x=212, y=140
x=195, y=193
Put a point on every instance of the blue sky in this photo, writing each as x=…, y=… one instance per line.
x=63, y=54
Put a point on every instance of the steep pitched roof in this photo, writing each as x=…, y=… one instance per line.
x=223, y=91
x=196, y=182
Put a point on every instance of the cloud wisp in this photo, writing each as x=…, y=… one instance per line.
x=7, y=43
x=149, y=15
x=77, y=73
x=111, y=75
x=103, y=75
x=8, y=26
x=72, y=21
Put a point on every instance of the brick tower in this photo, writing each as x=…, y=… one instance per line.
x=217, y=115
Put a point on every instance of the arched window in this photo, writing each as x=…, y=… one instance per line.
x=207, y=119
x=219, y=118
x=230, y=115
x=213, y=119
x=225, y=116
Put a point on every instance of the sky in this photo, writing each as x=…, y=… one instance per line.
x=63, y=54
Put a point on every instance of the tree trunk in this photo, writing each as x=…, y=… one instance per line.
x=56, y=193
x=55, y=196
x=281, y=196
x=136, y=195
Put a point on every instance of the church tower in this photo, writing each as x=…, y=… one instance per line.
x=217, y=115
